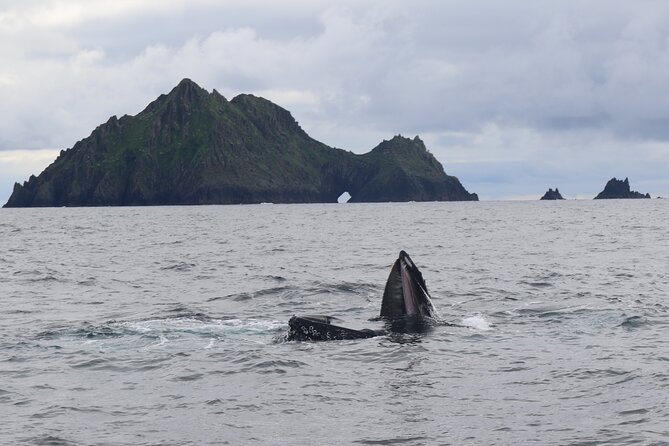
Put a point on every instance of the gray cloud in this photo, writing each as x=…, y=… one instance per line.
x=497, y=89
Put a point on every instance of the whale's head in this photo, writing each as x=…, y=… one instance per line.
x=405, y=295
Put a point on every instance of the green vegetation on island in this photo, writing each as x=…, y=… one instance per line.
x=195, y=147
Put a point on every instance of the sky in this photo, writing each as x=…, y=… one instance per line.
x=512, y=97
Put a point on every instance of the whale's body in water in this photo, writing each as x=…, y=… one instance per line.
x=406, y=306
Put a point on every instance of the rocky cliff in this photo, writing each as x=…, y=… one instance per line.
x=552, y=195
x=619, y=189
x=195, y=147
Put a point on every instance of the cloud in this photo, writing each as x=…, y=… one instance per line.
x=519, y=161
x=16, y=166
x=493, y=87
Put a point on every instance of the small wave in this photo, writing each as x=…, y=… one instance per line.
x=163, y=330
x=477, y=322
x=634, y=322
x=639, y=411
x=180, y=266
x=538, y=284
x=275, y=366
x=171, y=242
x=396, y=440
x=88, y=331
x=89, y=281
x=342, y=287
x=278, y=290
x=99, y=364
x=51, y=440
x=19, y=311
x=549, y=311
x=5, y=396
x=632, y=422
x=186, y=378
x=35, y=276
x=621, y=376
x=180, y=311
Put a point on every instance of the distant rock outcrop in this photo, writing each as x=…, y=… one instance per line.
x=552, y=195
x=195, y=147
x=619, y=189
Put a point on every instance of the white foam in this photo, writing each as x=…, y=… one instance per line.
x=477, y=322
x=194, y=326
x=161, y=342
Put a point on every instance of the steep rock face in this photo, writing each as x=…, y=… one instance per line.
x=552, y=195
x=407, y=171
x=195, y=147
x=619, y=189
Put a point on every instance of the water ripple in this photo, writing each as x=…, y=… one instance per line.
x=157, y=325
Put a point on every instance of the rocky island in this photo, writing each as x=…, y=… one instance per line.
x=195, y=147
x=552, y=195
x=619, y=189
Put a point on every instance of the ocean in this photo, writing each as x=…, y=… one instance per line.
x=164, y=325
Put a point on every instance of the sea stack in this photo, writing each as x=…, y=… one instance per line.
x=552, y=195
x=195, y=147
x=619, y=189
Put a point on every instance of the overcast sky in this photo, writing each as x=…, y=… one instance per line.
x=512, y=97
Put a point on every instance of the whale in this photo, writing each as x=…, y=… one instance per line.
x=406, y=306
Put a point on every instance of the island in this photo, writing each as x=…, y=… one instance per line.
x=195, y=147
x=619, y=189
x=552, y=195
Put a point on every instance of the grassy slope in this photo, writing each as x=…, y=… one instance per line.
x=191, y=146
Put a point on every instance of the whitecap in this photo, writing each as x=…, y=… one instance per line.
x=477, y=322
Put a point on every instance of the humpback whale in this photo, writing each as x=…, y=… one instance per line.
x=406, y=307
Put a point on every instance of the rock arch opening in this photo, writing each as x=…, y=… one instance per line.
x=344, y=197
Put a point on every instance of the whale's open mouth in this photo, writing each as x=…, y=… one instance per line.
x=406, y=293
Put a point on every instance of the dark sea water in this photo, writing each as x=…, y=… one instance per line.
x=163, y=325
